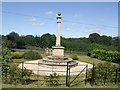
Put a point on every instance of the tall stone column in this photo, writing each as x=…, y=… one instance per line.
x=58, y=29
x=58, y=50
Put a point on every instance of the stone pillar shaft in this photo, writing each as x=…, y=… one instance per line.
x=58, y=34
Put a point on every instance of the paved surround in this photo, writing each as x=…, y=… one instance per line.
x=47, y=70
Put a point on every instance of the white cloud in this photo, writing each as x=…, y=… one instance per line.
x=68, y=28
x=76, y=15
x=49, y=13
x=38, y=23
x=35, y=22
x=71, y=27
x=93, y=30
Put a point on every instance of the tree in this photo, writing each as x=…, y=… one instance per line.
x=7, y=43
x=47, y=40
x=106, y=40
x=21, y=42
x=30, y=40
x=94, y=38
x=116, y=42
x=37, y=41
x=13, y=38
x=119, y=45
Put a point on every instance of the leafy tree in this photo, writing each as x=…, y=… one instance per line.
x=30, y=40
x=47, y=40
x=13, y=40
x=94, y=38
x=13, y=36
x=7, y=43
x=106, y=40
x=21, y=42
x=116, y=42
x=37, y=41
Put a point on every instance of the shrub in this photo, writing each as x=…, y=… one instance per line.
x=104, y=72
x=74, y=57
x=17, y=55
x=94, y=46
x=14, y=74
x=6, y=58
x=32, y=55
x=52, y=80
x=111, y=56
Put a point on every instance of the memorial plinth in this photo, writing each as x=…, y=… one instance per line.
x=58, y=58
x=58, y=51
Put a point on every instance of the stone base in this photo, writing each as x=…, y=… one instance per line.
x=47, y=69
x=58, y=51
x=57, y=62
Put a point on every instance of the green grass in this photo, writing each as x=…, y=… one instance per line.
x=39, y=83
x=87, y=59
x=42, y=84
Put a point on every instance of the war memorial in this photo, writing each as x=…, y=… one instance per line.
x=57, y=62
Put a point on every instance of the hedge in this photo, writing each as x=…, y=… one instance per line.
x=32, y=55
x=17, y=55
x=111, y=56
x=74, y=57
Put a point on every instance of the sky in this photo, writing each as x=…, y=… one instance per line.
x=79, y=19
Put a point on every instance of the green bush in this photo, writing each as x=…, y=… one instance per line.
x=17, y=55
x=6, y=58
x=33, y=47
x=52, y=80
x=32, y=55
x=5, y=51
x=103, y=73
x=12, y=74
x=94, y=46
x=74, y=57
x=111, y=56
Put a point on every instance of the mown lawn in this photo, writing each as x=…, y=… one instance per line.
x=87, y=59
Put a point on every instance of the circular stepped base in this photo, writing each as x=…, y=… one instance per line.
x=44, y=70
x=58, y=61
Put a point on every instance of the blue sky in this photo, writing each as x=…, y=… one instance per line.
x=78, y=19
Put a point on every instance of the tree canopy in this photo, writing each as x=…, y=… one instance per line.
x=95, y=40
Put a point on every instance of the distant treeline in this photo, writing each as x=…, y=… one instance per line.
x=94, y=41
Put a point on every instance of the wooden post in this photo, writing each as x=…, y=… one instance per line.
x=116, y=77
x=22, y=72
x=38, y=75
x=93, y=75
x=6, y=74
x=67, y=75
x=86, y=74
